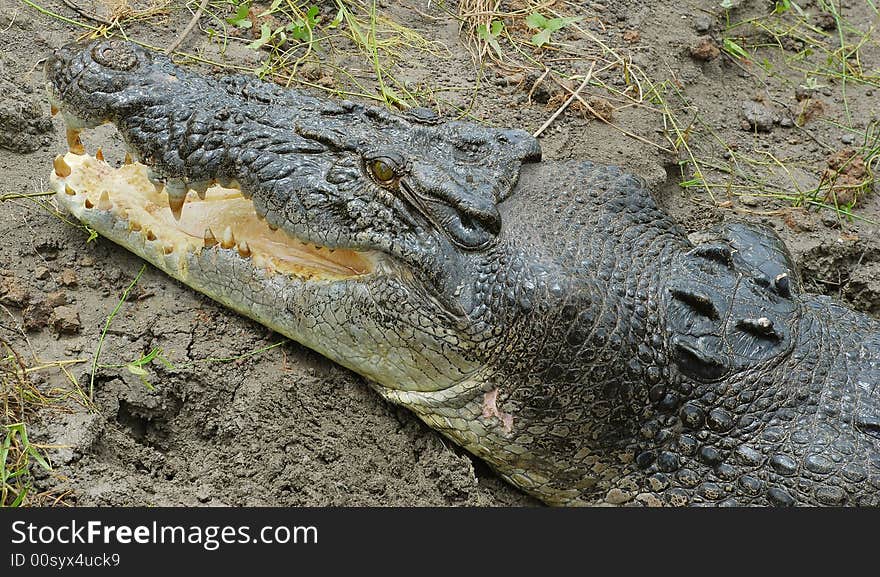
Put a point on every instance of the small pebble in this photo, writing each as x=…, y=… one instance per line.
x=758, y=116
x=703, y=23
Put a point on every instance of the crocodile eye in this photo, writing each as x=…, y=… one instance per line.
x=115, y=54
x=382, y=170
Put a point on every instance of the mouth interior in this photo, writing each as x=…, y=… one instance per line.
x=223, y=220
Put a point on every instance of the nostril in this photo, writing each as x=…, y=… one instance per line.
x=520, y=139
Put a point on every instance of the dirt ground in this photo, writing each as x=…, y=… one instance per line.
x=283, y=426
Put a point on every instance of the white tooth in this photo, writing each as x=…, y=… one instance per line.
x=176, y=190
x=227, y=240
x=243, y=249
x=74, y=144
x=104, y=201
x=157, y=180
x=199, y=186
x=210, y=239
x=62, y=169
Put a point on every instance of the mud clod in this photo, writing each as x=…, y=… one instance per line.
x=809, y=109
x=705, y=49
x=68, y=278
x=847, y=178
x=13, y=293
x=65, y=320
x=36, y=315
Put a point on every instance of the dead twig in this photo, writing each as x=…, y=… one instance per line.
x=192, y=24
x=88, y=16
x=568, y=101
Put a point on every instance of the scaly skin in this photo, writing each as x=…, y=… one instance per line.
x=547, y=316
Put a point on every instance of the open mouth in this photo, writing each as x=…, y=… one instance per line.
x=183, y=222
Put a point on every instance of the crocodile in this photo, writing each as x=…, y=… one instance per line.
x=546, y=316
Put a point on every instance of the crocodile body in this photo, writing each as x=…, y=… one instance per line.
x=547, y=316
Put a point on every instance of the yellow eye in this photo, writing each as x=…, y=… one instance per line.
x=382, y=171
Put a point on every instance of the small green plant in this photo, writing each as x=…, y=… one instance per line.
x=490, y=36
x=15, y=462
x=734, y=49
x=136, y=367
x=810, y=83
x=115, y=310
x=241, y=17
x=300, y=29
x=547, y=26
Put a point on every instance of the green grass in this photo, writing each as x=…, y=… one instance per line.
x=18, y=455
x=100, y=345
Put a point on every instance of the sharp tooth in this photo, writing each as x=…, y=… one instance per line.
x=134, y=225
x=88, y=203
x=123, y=214
x=227, y=240
x=74, y=144
x=69, y=190
x=53, y=110
x=62, y=169
x=210, y=239
x=99, y=154
x=155, y=179
x=168, y=248
x=127, y=158
x=176, y=196
x=243, y=249
x=104, y=201
x=151, y=235
x=199, y=186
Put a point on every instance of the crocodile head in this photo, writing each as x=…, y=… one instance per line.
x=348, y=228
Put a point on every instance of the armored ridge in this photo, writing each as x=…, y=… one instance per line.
x=547, y=316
